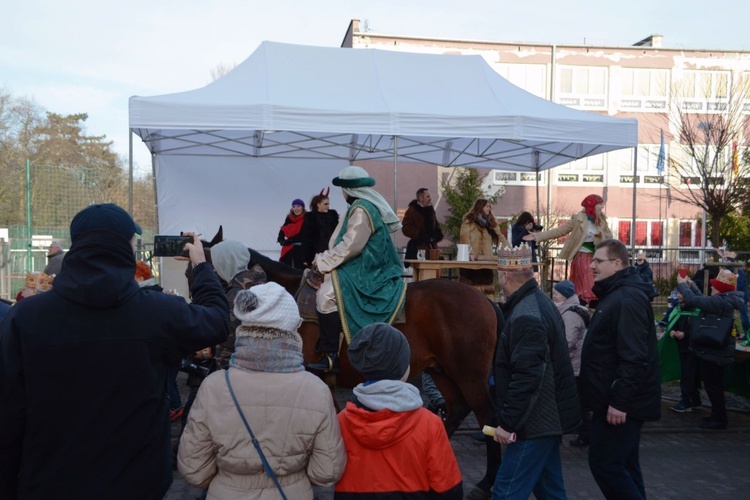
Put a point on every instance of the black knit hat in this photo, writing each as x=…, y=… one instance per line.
x=380, y=352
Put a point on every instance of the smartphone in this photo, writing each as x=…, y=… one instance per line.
x=171, y=246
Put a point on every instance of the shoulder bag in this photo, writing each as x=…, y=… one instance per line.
x=711, y=329
x=266, y=465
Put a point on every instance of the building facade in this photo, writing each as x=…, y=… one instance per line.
x=645, y=81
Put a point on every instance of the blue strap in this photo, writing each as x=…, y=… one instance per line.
x=266, y=466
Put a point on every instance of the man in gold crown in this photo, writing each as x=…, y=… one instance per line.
x=536, y=389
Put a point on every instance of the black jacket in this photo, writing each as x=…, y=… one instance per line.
x=619, y=360
x=420, y=225
x=84, y=410
x=536, y=388
x=723, y=304
x=318, y=228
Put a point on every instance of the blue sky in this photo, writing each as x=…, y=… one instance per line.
x=91, y=56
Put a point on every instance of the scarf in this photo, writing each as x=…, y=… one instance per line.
x=589, y=204
x=482, y=222
x=386, y=212
x=267, y=350
x=391, y=395
x=291, y=229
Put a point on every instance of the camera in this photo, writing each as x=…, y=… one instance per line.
x=171, y=246
x=537, y=227
x=191, y=368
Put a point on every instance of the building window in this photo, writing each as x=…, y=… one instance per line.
x=582, y=87
x=644, y=89
x=530, y=77
x=704, y=91
x=690, y=233
x=589, y=170
x=623, y=232
x=501, y=177
x=648, y=233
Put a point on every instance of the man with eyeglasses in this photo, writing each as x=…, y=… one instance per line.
x=619, y=371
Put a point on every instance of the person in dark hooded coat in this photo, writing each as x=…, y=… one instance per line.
x=83, y=369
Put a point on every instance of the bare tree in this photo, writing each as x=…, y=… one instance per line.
x=221, y=69
x=708, y=170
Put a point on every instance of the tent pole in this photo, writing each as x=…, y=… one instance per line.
x=536, y=175
x=635, y=179
x=130, y=171
x=395, y=183
x=395, y=172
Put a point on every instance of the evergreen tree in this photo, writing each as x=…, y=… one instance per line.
x=460, y=193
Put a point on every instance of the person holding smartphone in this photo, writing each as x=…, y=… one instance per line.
x=83, y=368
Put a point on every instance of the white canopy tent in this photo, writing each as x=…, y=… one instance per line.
x=284, y=122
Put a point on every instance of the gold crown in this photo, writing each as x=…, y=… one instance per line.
x=514, y=259
x=45, y=282
x=32, y=280
x=39, y=281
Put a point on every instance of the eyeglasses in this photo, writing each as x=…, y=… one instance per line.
x=599, y=261
x=640, y=260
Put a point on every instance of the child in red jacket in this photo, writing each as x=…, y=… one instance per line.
x=394, y=446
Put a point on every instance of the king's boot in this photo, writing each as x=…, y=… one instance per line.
x=330, y=327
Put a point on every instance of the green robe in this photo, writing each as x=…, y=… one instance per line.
x=369, y=288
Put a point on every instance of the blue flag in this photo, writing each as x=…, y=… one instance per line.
x=660, y=158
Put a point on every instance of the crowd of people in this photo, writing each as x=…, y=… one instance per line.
x=259, y=421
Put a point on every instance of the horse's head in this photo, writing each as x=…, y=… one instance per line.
x=218, y=238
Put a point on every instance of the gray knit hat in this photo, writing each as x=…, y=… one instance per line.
x=380, y=352
x=566, y=288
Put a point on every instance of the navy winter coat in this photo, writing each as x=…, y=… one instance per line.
x=84, y=410
x=619, y=360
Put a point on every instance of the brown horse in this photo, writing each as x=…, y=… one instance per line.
x=451, y=328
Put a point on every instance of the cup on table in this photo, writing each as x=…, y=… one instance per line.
x=420, y=255
x=434, y=254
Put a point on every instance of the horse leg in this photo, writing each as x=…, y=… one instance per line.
x=454, y=400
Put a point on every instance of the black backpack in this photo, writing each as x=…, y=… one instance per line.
x=582, y=312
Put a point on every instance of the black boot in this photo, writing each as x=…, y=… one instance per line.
x=330, y=328
x=329, y=363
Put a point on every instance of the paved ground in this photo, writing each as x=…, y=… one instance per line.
x=679, y=460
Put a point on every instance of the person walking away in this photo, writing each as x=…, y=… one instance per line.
x=585, y=229
x=83, y=369
x=420, y=225
x=576, y=319
x=536, y=396
x=619, y=372
x=362, y=271
x=395, y=447
x=291, y=236
x=55, y=257
x=289, y=411
x=320, y=222
x=719, y=353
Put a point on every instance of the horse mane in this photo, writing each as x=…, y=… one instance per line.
x=273, y=267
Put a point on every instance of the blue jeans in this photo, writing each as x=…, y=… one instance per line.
x=531, y=465
x=613, y=458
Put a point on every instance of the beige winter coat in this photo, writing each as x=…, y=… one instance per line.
x=480, y=241
x=577, y=226
x=575, y=330
x=293, y=418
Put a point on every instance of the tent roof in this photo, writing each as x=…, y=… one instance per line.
x=294, y=101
